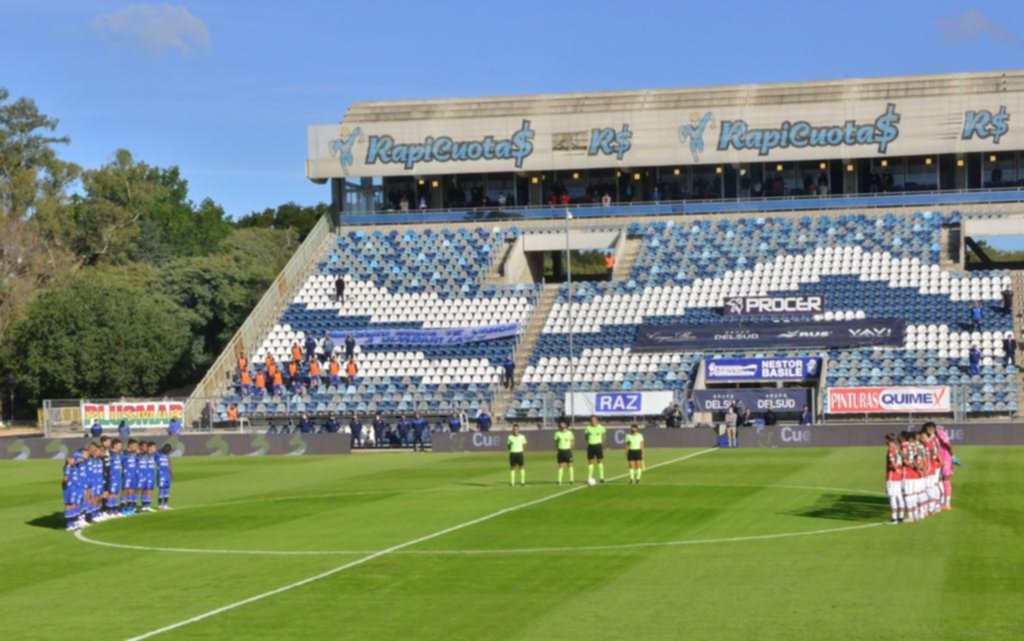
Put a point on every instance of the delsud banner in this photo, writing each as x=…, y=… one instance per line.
x=193, y=445
x=782, y=400
x=773, y=305
x=797, y=368
x=856, y=333
x=451, y=336
x=617, y=403
x=138, y=414
x=889, y=400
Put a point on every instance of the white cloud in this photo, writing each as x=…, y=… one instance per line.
x=973, y=24
x=155, y=28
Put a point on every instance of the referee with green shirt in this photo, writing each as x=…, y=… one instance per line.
x=516, y=458
x=564, y=442
x=595, y=448
x=635, y=454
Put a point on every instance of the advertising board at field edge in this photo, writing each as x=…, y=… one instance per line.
x=623, y=403
x=141, y=414
x=889, y=400
x=789, y=368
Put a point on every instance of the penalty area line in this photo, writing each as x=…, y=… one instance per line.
x=387, y=551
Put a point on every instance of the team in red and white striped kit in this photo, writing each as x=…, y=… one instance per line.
x=918, y=469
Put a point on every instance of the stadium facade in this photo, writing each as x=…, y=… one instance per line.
x=849, y=137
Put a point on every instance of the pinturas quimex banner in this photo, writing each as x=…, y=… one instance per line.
x=797, y=368
x=140, y=414
x=856, y=333
x=773, y=305
x=889, y=400
x=788, y=400
x=413, y=337
x=617, y=403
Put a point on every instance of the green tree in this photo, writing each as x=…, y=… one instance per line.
x=106, y=332
x=287, y=216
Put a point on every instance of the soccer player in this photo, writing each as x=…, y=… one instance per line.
x=163, y=477
x=911, y=476
x=635, y=454
x=565, y=440
x=929, y=467
x=516, y=458
x=130, y=464
x=115, y=479
x=894, y=479
x=96, y=480
x=146, y=473
x=70, y=486
x=595, y=448
x=932, y=447
x=946, y=455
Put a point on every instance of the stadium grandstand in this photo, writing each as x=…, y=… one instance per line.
x=455, y=222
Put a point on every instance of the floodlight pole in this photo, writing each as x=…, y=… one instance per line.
x=572, y=356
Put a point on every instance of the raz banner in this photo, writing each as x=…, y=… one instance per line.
x=773, y=305
x=140, y=414
x=889, y=400
x=796, y=368
x=856, y=333
x=617, y=403
x=414, y=337
x=782, y=400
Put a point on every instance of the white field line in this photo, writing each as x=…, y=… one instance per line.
x=385, y=552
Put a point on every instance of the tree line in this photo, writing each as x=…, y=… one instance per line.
x=113, y=281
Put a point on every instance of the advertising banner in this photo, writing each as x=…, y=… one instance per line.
x=193, y=445
x=869, y=332
x=617, y=403
x=773, y=305
x=141, y=414
x=415, y=337
x=783, y=400
x=889, y=400
x=797, y=368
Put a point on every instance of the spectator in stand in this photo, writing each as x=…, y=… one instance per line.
x=747, y=420
x=976, y=316
x=95, y=430
x=261, y=383
x=731, y=419
x=233, y=415
x=123, y=431
x=1010, y=348
x=305, y=425
x=673, y=415
x=351, y=371
x=564, y=200
x=296, y=352
x=246, y=381
x=310, y=348
x=806, y=417
x=770, y=418
x=271, y=429
x=974, y=360
x=454, y=422
x=174, y=428
x=606, y=200
x=1007, y=301
x=314, y=375
x=355, y=427
x=508, y=380
x=402, y=427
x=331, y=425
x=243, y=362
x=339, y=289
x=270, y=364
x=690, y=409
x=419, y=427
x=380, y=431
x=483, y=420
x=278, y=383
x=350, y=347
x=334, y=372
x=609, y=263
x=328, y=350
x=293, y=374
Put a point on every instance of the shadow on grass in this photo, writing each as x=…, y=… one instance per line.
x=53, y=521
x=847, y=507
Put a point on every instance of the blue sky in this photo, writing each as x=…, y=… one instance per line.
x=225, y=89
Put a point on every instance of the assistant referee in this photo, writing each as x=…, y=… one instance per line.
x=516, y=458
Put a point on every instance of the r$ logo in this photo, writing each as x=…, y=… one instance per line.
x=985, y=124
x=609, y=142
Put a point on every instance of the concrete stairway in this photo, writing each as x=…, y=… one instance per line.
x=1018, y=324
x=626, y=258
x=503, y=397
x=950, y=244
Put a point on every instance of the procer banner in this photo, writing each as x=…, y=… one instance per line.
x=869, y=332
x=797, y=368
x=617, y=403
x=773, y=305
x=782, y=400
x=414, y=337
x=889, y=400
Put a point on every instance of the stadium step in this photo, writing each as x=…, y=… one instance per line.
x=1017, y=285
x=949, y=242
x=531, y=333
x=626, y=258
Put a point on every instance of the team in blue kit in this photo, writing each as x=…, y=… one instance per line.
x=108, y=479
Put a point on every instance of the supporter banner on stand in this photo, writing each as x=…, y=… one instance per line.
x=141, y=414
x=730, y=336
x=617, y=403
x=797, y=368
x=772, y=305
x=889, y=400
x=782, y=400
x=413, y=337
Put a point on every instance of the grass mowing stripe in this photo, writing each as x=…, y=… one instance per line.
x=385, y=552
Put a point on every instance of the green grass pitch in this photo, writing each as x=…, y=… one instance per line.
x=741, y=544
